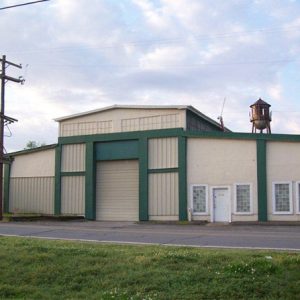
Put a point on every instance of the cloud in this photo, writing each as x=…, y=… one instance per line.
x=85, y=55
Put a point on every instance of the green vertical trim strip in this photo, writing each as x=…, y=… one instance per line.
x=90, y=182
x=262, y=180
x=57, y=199
x=182, y=178
x=143, y=179
x=6, y=187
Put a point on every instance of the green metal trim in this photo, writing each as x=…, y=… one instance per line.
x=243, y=136
x=6, y=188
x=77, y=173
x=119, y=136
x=116, y=150
x=57, y=198
x=167, y=170
x=173, y=132
x=143, y=179
x=262, y=180
x=90, y=182
x=182, y=165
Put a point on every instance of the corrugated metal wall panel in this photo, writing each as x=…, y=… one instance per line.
x=163, y=195
x=32, y=195
x=83, y=128
x=73, y=158
x=73, y=195
x=117, y=191
x=35, y=164
x=163, y=153
x=151, y=122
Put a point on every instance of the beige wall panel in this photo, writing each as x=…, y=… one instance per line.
x=73, y=195
x=117, y=191
x=117, y=120
x=163, y=196
x=283, y=164
x=163, y=153
x=32, y=195
x=73, y=158
x=84, y=128
x=36, y=164
x=217, y=162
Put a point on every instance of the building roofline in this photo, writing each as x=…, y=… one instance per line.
x=27, y=151
x=116, y=106
x=203, y=116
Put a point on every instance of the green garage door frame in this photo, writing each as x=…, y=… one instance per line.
x=139, y=150
x=113, y=146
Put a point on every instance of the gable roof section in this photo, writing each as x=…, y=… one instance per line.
x=32, y=150
x=116, y=106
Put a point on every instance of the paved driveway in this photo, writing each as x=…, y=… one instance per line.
x=220, y=236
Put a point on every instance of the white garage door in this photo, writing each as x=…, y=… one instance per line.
x=117, y=191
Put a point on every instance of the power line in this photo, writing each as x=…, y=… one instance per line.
x=169, y=66
x=166, y=41
x=22, y=4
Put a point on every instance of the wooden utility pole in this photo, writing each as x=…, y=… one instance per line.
x=4, y=78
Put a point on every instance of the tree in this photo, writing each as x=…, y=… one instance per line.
x=33, y=144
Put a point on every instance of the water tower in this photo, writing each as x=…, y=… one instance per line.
x=260, y=116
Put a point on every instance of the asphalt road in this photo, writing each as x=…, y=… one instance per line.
x=219, y=236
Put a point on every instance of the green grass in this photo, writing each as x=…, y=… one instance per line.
x=42, y=269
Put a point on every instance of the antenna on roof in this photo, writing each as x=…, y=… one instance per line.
x=221, y=115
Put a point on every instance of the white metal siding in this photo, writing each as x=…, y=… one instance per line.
x=73, y=158
x=221, y=162
x=73, y=195
x=283, y=164
x=152, y=122
x=163, y=153
x=163, y=196
x=35, y=164
x=83, y=128
x=121, y=120
x=32, y=195
x=117, y=191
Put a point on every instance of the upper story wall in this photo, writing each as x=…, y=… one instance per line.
x=122, y=120
x=34, y=164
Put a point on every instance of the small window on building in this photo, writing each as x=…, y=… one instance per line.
x=199, y=199
x=282, y=197
x=243, y=198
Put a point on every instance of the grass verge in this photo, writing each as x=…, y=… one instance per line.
x=41, y=269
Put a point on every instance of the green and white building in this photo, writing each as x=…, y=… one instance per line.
x=139, y=163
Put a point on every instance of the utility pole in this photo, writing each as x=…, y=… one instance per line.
x=5, y=119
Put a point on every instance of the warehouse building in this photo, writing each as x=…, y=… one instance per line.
x=165, y=163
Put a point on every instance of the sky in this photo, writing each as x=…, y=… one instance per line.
x=83, y=55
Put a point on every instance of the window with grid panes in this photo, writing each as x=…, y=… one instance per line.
x=199, y=199
x=243, y=204
x=282, y=197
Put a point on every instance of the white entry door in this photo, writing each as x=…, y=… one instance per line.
x=221, y=211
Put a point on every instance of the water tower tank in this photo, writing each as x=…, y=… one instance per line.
x=260, y=116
